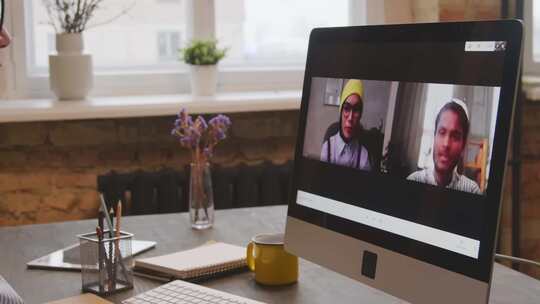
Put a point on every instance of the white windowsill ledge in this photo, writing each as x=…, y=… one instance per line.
x=141, y=106
x=531, y=87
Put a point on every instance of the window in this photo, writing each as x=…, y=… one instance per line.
x=121, y=36
x=137, y=52
x=168, y=44
x=273, y=33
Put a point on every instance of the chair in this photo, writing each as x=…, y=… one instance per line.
x=477, y=167
x=331, y=130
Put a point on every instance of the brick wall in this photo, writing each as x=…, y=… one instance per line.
x=406, y=11
x=48, y=170
x=530, y=186
x=456, y=10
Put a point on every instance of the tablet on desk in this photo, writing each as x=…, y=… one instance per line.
x=69, y=257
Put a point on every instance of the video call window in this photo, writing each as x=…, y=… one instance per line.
x=431, y=133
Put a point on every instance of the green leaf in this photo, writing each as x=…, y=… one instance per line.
x=202, y=52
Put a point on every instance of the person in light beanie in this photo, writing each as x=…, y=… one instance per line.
x=450, y=139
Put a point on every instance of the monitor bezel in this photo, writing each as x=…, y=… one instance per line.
x=504, y=30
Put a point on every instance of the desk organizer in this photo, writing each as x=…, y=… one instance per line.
x=106, y=263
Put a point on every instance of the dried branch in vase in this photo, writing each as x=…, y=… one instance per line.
x=73, y=16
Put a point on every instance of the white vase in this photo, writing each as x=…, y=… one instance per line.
x=70, y=71
x=203, y=79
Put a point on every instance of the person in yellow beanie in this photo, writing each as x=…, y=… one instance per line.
x=345, y=147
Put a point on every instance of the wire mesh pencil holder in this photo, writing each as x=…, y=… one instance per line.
x=106, y=262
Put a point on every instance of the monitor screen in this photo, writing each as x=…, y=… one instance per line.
x=438, y=136
x=396, y=147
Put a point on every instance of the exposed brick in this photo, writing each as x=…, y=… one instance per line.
x=530, y=228
x=22, y=134
x=18, y=208
x=117, y=155
x=531, y=250
x=530, y=145
x=88, y=202
x=24, y=181
x=83, y=157
x=8, y=182
x=530, y=179
x=128, y=131
x=531, y=116
x=83, y=133
x=49, y=215
x=64, y=200
x=46, y=157
x=458, y=10
x=57, y=177
x=74, y=180
x=13, y=158
x=264, y=127
x=19, y=202
x=156, y=129
x=530, y=209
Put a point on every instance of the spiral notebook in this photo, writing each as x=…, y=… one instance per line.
x=195, y=264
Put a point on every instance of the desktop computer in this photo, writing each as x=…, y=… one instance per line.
x=401, y=153
x=400, y=159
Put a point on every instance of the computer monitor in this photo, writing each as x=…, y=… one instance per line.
x=401, y=153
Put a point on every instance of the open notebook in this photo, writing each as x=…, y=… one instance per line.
x=195, y=264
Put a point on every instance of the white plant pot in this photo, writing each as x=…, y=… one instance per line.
x=203, y=79
x=70, y=71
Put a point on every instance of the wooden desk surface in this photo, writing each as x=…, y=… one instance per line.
x=172, y=233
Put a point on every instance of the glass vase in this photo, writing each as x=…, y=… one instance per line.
x=201, y=196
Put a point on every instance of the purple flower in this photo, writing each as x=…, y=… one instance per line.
x=202, y=122
x=220, y=121
x=198, y=135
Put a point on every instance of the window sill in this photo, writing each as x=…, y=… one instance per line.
x=140, y=106
x=531, y=87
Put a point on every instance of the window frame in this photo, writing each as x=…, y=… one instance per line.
x=530, y=67
x=154, y=81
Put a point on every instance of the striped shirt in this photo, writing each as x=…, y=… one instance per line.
x=459, y=182
x=7, y=294
x=351, y=154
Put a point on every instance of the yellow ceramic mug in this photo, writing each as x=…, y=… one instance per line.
x=270, y=262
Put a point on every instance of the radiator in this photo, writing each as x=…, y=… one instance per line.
x=166, y=190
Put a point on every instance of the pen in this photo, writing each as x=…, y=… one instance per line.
x=118, y=217
x=100, y=257
x=111, y=255
x=117, y=240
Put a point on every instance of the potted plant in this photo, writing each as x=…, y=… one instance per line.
x=71, y=71
x=203, y=57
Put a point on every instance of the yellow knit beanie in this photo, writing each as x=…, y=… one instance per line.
x=353, y=86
